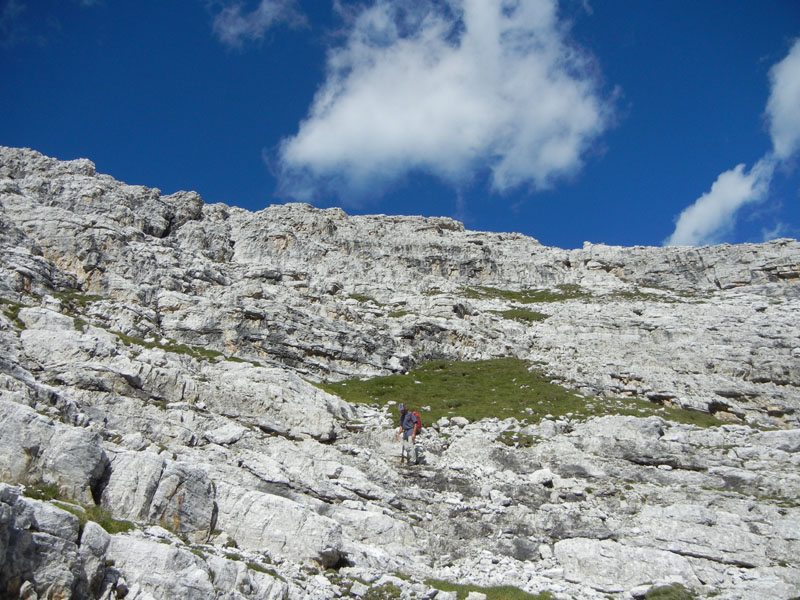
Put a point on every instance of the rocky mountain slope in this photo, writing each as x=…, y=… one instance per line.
x=162, y=436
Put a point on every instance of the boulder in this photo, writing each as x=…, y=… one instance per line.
x=279, y=525
x=611, y=567
x=37, y=450
x=38, y=548
x=143, y=486
x=160, y=570
x=93, y=546
x=184, y=502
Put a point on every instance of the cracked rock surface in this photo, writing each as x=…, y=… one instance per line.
x=161, y=435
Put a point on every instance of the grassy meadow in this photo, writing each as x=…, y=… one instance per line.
x=501, y=388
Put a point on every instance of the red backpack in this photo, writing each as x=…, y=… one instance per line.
x=419, y=420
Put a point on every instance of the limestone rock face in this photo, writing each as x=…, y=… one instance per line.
x=37, y=450
x=39, y=544
x=159, y=362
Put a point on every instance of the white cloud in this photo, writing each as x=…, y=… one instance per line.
x=783, y=107
x=234, y=27
x=714, y=213
x=449, y=88
x=780, y=230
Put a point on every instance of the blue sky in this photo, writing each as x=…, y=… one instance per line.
x=621, y=122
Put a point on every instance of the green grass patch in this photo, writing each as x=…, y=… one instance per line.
x=399, y=314
x=560, y=293
x=73, y=298
x=254, y=566
x=387, y=591
x=44, y=492
x=236, y=359
x=691, y=417
x=98, y=514
x=170, y=346
x=669, y=592
x=521, y=314
x=654, y=293
x=502, y=388
x=364, y=299
x=103, y=517
x=11, y=311
x=195, y=352
x=505, y=592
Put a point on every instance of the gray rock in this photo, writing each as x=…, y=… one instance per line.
x=38, y=548
x=34, y=449
x=359, y=590
x=161, y=570
x=691, y=530
x=234, y=580
x=132, y=483
x=229, y=433
x=279, y=525
x=93, y=546
x=126, y=316
x=27, y=591
x=612, y=567
x=145, y=487
x=46, y=518
x=184, y=502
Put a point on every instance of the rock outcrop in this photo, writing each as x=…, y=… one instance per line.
x=161, y=435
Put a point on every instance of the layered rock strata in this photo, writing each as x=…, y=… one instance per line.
x=157, y=356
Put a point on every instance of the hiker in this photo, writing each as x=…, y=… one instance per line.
x=409, y=424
